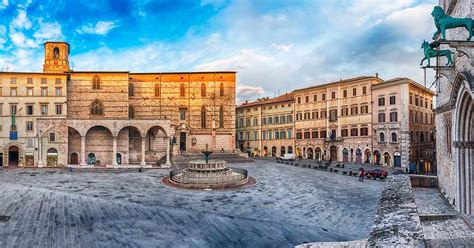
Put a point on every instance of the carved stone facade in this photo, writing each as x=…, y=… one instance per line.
x=112, y=118
x=455, y=115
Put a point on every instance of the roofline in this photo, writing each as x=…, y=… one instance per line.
x=264, y=102
x=72, y=72
x=343, y=81
x=56, y=42
x=36, y=73
x=395, y=81
x=181, y=72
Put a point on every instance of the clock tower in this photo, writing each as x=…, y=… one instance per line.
x=56, y=57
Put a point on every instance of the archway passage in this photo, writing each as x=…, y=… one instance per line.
x=358, y=156
x=464, y=135
x=129, y=143
x=13, y=156
x=333, y=153
x=290, y=149
x=368, y=156
x=73, y=158
x=156, y=144
x=265, y=151
x=274, y=151
x=397, y=159
x=310, y=152
x=52, y=157
x=317, y=153
x=99, y=142
x=282, y=151
x=377, y=157
x=345, y=155
x=386, y=159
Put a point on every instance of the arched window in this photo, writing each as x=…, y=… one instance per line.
x=96, y=108
x=131, y=112
x=56, y=53
x=182, y=90
x=394, y=138
x=131, y=90
x=382, y=137
x=157, y=90
x=96, y=83
x=203, y=90
x=221, y=90
x=221, y=117
x=203, y=117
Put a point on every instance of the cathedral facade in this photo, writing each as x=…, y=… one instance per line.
x=62, y=117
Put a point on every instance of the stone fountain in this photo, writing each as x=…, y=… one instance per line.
x=208, y=174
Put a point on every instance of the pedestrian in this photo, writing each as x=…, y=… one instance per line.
x=361, y=174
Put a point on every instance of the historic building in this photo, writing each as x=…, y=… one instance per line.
x=63, y=117
x=455, y=114
x=403, y=123
x=265, y=127
x=333, y=121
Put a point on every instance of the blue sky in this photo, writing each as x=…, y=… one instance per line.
x=275, y=46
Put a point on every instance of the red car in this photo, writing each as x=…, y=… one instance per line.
x=377, y=173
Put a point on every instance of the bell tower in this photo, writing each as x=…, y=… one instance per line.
x=56, y=57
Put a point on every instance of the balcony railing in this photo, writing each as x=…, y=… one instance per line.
x=333, y=140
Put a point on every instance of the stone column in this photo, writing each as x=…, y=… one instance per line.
x=114, y=155
x=83, y=150
x=40, y=152
x=143, y=163
x=168, y=163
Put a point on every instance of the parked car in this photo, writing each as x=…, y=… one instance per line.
x=377, y=173
x=287, y=157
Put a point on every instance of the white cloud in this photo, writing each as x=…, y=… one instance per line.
x=19, y=39
x=246, y=89
x=4, y=4
x=100, y=28
x=48, y=31
x=413, y=21
x=282, y=47
x=21, y=21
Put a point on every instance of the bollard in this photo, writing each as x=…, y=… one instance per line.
x=140, y=169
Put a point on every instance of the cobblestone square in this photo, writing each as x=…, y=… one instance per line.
x=288, y=206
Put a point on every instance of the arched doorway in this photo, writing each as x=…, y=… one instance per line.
x=132, y=153
x=52, y=157
x=309, y=152
x=345, y=155
x=274, y=151
x=317, y=152
x=304, y=152
x=290, y=149
x=156, y=145
x=91, y=159
x=282, y=151
x=397, y=159
x=265, y=151
x=377, y=157
x=358, y=156
x=99, y=142
x=13, y=156
x=73, y=158
x=333, y=153
x=352, y=155
x=464, y=150
x=119, y=158
x=368, y=156
x=386, y=159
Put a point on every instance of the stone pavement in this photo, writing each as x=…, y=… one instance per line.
x=288, y=206
x=441, y=224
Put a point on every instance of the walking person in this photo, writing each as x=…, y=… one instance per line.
x=361, y=174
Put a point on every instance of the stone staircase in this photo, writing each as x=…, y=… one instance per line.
x=181, y=160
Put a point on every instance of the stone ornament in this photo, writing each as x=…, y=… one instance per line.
x=429, y=52
x=444, y=22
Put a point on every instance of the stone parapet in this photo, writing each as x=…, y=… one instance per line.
x=397, y=223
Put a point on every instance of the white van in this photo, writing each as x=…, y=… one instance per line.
x=288, y=157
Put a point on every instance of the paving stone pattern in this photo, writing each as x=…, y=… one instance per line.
x=450, y=231
x=288, y=206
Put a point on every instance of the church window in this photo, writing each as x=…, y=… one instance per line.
x=96, y=108
x=96, y=83
x=203, y=90
x=221, y=89
x=131, y=90
x=182, y=90
x=203, y=117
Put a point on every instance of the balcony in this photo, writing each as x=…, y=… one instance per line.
x=332, y=118
x=333, y=139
